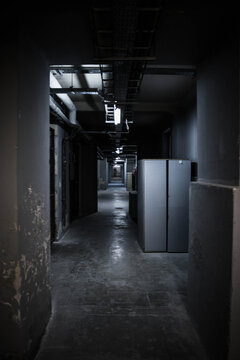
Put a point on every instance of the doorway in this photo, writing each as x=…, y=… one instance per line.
x=52, y=186
x=116, y=175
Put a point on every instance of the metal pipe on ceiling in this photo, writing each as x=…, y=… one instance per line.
x=71, y=90
x=64, y=97
x=57, y=110
x=71, y=121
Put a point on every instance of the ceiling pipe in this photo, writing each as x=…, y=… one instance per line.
x=100, y=153
x=55, y=107
x=71, y=121
x=72, y=90
x=65, y=99
x=57, y=110
x=82, y=91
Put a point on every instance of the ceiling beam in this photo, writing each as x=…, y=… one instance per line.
x=126, y=58
x=165, y=70
x=79, y=69
x=83, y=91
x=170, y=71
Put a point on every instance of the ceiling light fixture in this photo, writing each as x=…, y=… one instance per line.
x=117, y=115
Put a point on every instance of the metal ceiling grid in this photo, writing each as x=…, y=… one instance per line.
x=124, y=36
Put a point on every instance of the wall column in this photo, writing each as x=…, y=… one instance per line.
x=25, y=301
x=214, y=286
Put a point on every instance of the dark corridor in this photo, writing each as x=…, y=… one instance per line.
x=119, y=83
x=111, y=301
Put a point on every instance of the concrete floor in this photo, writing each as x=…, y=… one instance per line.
x=111, y=301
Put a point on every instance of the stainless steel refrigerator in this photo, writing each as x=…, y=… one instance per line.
x=163, y=200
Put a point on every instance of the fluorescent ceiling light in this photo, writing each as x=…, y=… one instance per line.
x=117, y=116
x=90, y=66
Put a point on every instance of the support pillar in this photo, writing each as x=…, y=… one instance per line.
x=25, y=301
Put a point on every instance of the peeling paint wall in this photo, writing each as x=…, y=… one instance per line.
x=9, y=269
x=33, y=196
x=25, y=301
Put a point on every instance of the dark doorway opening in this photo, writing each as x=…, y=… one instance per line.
x=116, y=175
x=64, y=182
x=52, y=186
x=74, y=180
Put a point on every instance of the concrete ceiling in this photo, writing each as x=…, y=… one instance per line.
x=169, y=90
x=156, y=93
x=89, y=36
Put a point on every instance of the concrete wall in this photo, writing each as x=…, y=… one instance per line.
x=184, y=135
x=214, y=283
x=24, y=216
x=102, y=174
x=131, y=164
x=218, y=115
x=214, y=286
x=9, y=257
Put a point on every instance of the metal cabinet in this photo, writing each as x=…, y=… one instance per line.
x=163, y=204
x=178, y=205
x=152, y=211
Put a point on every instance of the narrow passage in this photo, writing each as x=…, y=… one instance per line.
x=110, y=300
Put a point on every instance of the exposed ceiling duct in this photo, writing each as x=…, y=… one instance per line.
x=56, y=109
x=71, y=120
x=124, y=33
x=125, y=72
x=64, y=98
